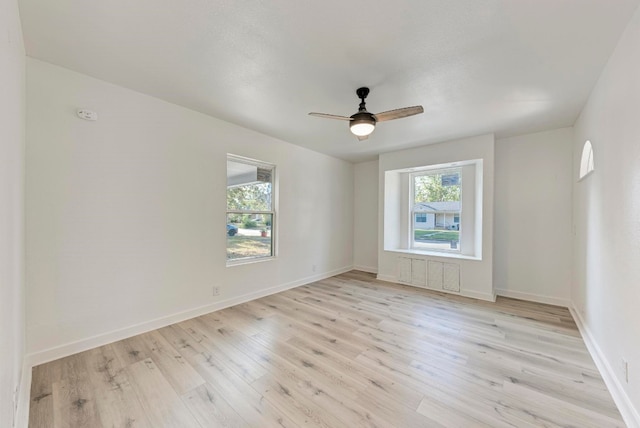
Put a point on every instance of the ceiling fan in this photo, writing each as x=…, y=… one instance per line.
x=363, y=123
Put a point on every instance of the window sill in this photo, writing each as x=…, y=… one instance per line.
x=435, y=254
x=239, y=262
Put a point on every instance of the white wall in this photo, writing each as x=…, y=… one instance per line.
x=365, y=213
x=606, y=289
x=125, y=216
x=532, y=246
x=476, y=276
x=12, y=118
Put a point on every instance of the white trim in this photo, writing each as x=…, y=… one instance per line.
x=629, y=413
x=24, y=397
x=113, y=336
x=250, y=161
x=443, y=254
x=387, y=278
x=489, y=297
x=531, y=297
x=249, y=260
x=370, y=269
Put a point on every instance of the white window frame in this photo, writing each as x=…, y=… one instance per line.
x=272, y=212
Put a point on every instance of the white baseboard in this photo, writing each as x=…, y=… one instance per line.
x=387, y=278
x=630, y=414
x=489, y=297
x=67, y=349
x=24, y=397
x=370, y=269
x=531, y=297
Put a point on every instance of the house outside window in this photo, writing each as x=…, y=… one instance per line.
x=436, y=208
x=251, y=215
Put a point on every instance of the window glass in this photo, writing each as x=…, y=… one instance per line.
x=250, y=209
x=437, y=210
x=586, y=162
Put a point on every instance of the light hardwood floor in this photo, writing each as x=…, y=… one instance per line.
x=349, y=351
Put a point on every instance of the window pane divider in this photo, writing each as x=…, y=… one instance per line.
x=249, y=212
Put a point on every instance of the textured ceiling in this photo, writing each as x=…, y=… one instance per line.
x=477, y=66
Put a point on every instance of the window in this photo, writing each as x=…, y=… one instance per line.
x=436, y=207
x=449, y=197
x=251, y=215
x=586, y=163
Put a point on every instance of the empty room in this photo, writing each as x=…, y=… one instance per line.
x=320, y=214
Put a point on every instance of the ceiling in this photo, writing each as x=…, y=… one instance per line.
x=477, y=66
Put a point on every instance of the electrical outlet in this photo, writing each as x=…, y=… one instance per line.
x=216, y=291
x=313, y=268
x=625, y=370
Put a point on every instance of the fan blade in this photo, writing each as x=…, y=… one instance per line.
x=362, y=138
x=330, y=116
x=398, y=113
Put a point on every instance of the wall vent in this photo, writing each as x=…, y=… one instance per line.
x=412, y=271
x=429, y=274
x=435, y=275
x=451, y=277
x=444, y=276
x=404, y=270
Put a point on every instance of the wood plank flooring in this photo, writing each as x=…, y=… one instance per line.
x=348, y=351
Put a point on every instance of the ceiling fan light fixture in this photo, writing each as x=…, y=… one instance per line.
x=362, y=124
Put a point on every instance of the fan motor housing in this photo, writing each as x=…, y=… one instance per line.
x=363, y=117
